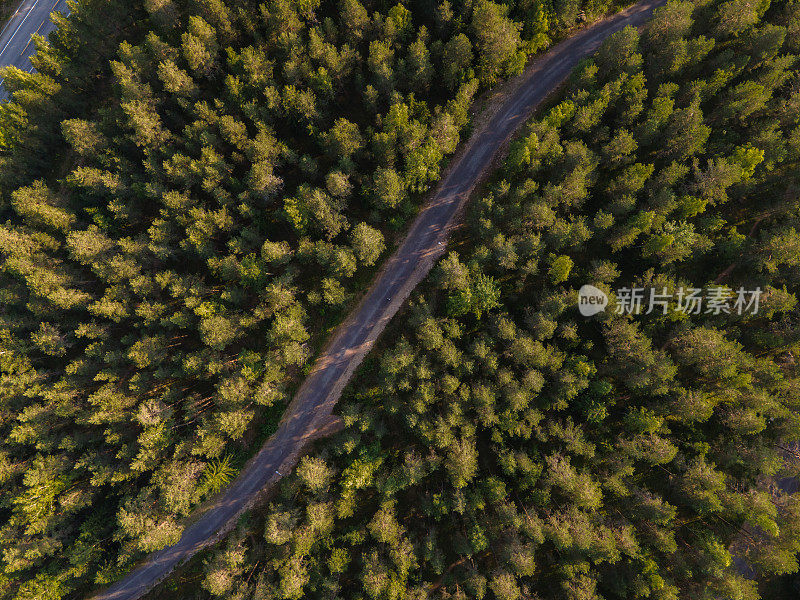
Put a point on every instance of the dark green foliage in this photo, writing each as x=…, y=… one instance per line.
x=511, y=448
x=191, y=189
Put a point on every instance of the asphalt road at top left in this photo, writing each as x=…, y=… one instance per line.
x=16, y=43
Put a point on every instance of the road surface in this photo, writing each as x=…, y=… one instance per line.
x=310, y=412
x=16, y=45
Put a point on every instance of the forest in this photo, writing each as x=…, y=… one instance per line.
x=193, y=194
x=501, y=445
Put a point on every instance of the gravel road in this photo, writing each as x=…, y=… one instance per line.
x=309, y=413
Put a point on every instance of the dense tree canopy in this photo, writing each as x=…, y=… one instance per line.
x=190, y=191
x=502, y=445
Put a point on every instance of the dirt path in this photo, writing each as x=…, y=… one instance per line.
x=309, y=415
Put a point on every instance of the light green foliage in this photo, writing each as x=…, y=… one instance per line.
x=498, y=40
x=217, y=474
x=367, y=243
x=560, y=269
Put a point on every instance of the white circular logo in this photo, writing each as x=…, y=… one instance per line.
x=591, y=300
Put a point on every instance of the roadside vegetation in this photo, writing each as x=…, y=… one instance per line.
x=7, y=8
x=190, y=191
x=503, y=446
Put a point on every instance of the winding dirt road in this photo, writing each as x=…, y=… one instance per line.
x=310, y=413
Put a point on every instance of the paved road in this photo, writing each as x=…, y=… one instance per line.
x=309, y=413
x=16, y=45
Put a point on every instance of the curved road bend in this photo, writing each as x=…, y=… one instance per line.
x=16, y=43
x=310, y=411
